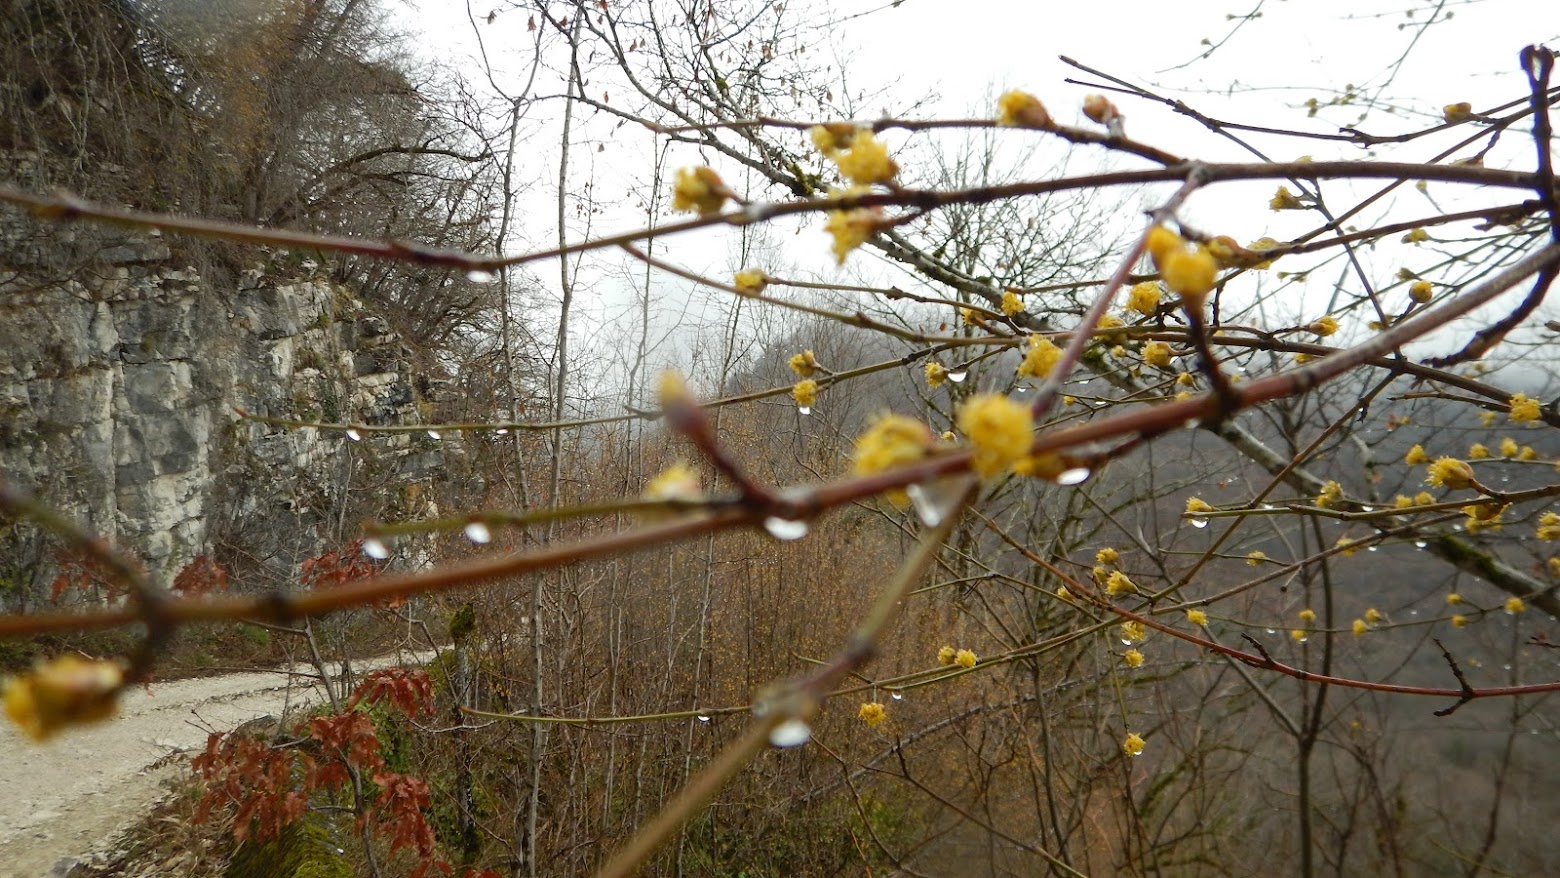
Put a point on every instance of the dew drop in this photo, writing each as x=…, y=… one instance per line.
x=1022, y=388
x=1198, y=523
x=478, y=533
x=435, y=434
x=375, y=548
x=1191, y=423
x=785, y=528
x=503, y=431
x=804, y=409
x=353, y=434
x=1302, y=639
x=933, y=501
x=702, y=718
x=1075, y=476
x=478, y=276
x=791, y=733
x=897, y=696
x=1272, y=631
x=1413, y=612
x=958, y=377
x=1371, y=548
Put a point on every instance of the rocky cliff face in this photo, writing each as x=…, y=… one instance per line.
x=119, y=390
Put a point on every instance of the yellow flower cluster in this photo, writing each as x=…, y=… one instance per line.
x=1515, y=605
x=1000, y=430
x=1308, y=616
x=891, y=440
x=1017, y=109
x=1449, y=472
x=1283, y=199
x=1133, y=631
x=1416, y=236
x=1461, y=111
x=1416, y=456
x=1478, y=451
x=1144, y=298
x=805, y=364
x=866, y=161
x=751, y=282
x=1524, y=409
x=936, y=374
x=1107, y=555
x=1256, y=558
x=1119, y=584
x=699, y=189
x=1188, y=273
x=1324, y=326
x=1040, y=358
x=1157, y=353
x=1360, y=628
x=1549, y=526
x=1133, y=658
x=1331, y=493
x=678, y=482
x=1012, y=303
x=805, y=392
x=1197, y=617
x=946, y=655
x=964, y=658
x=1197, y=506
x=872, y=713
x=62, y=692
x=851, y=228
x=1133, y=745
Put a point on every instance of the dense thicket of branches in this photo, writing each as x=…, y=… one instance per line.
x=1197, y=642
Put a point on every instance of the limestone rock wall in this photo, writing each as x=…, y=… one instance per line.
x=119, y=385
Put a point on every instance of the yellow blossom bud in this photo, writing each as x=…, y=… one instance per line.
x=1331, y=493
x=1133, y=631
x=805, y=364
x=1324, y=327
x=852, y=228
x=678, y=482
x=1298, y=635
x=60, y=693
x=1190, y=275
x=1185, y=379
x=1000, y=430
x=872, y=713
x=1449, y=472
x=1360, y=628
x=1133, y=658
x=1255, y=559
x=1459, y=620
x=1133, y=745
x=1374, y=616
x=1478, y=451
x=833, y=136
x=1416, y=456
x=964, y=658
x=1017, y=109
x=866, y=161
x=1527, y=453
x=1065, y=595
x=1420, y=291
x=1308, y=616
x=1515, y=605
x=1041, y=357
x=1523, y=409
x=946, y=655
x=1486, y=419
x=1196, y=506
x=699, y=189
x=1461, y=111
x=1402, y=501
x=751, y=282
x=1144, y=298
x=1508, y=447
x=1197, y=617
x=1424, y=498
x=1107, y=555
x=1283, y=199
x=805, y=392
x=1454, y=599
x=891, y=441
x=936, y=374
x=1012, y=303
x=1549, y=526
x=1100, y=110
x=1119, y=584
x=1157, y=353
x=1415, y=236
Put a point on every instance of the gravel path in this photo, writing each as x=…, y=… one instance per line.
x=74, y=794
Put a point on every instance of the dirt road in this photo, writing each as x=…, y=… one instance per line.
x=66, y=797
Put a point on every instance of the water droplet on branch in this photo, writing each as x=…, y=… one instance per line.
x=478, y=533
x=1075, y=476
x=375, y=548
x=785, y=528
x=791, y=733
